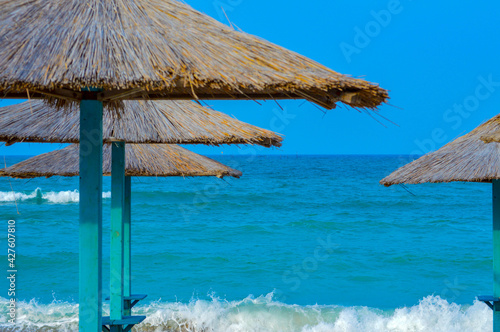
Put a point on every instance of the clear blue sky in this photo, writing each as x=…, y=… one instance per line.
x=438, y=59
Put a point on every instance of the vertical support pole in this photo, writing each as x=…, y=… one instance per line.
x=90, y=258
x=496, y=254
x=127, y=251
x=117, y=213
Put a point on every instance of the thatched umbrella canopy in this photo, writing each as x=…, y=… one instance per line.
x=154, y=49
x=157, y=160
x=171, y=122
x=467, y=158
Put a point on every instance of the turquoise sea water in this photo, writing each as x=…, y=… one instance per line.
x=299, y=243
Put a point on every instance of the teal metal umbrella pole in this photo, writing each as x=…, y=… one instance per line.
x=90, y=258
x=120, y=318
x=496, y=255
x=494, y=301
x=127, y=247
x=129, y=299
x=117, y=235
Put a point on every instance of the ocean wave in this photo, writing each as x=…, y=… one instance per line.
x=37, y=196
x=264, y=314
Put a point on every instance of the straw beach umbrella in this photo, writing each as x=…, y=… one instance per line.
x=156, y=160
x=467, y=158
x=167, y=122
x=100, y=52
x=154, y=49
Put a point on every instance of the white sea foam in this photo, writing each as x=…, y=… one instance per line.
x=57, y=197
x=262, y=314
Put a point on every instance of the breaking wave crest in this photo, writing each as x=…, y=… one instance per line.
x=37, y=196
x=264, y=314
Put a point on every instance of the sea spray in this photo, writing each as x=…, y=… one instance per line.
x=11, y=196
x=33, y=316
x=263, y=314
x=40, y=197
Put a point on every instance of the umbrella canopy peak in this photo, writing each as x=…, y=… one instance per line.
x=467, y=158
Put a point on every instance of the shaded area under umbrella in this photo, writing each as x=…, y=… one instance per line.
x=467, y=158
x=140, y=160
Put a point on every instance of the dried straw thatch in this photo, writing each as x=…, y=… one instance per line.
x=172, y=122
x=467, y=158
x=492, y=138
x=154, y=49
x=141, y=160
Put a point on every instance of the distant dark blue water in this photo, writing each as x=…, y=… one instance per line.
x=299, y=243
